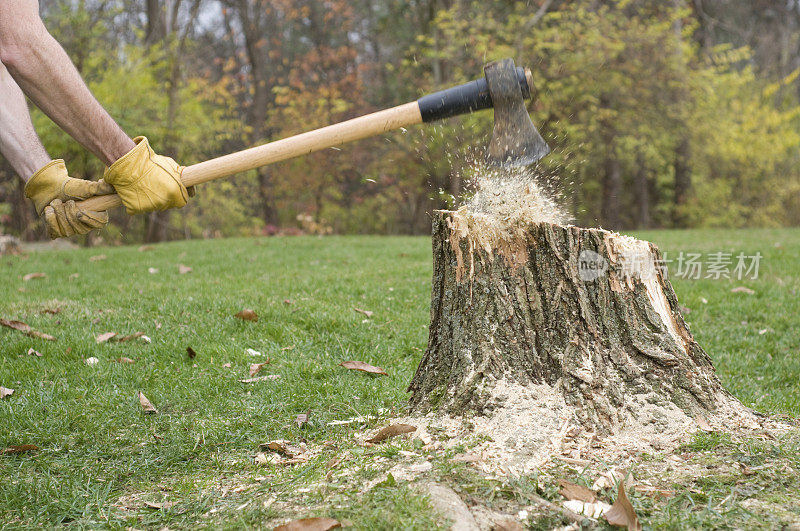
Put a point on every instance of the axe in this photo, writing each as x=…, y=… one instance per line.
x=515, y=140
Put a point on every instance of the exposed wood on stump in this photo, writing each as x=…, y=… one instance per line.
x=586, y=311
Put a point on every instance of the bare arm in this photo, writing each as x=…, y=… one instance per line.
x=18, y=141
x=41, y=67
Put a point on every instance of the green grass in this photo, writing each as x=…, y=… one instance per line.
x=101, y=458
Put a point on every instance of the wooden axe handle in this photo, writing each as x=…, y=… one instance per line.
x=287, y=148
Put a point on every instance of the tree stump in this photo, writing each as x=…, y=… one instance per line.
x=587, y=312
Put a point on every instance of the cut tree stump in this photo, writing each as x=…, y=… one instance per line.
x=585, y=311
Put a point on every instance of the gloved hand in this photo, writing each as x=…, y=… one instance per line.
x=145, y=181
x=54, y=193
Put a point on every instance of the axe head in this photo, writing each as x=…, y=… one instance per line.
x=515, y=140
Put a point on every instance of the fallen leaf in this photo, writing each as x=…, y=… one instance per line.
x=91, y=362
x=742, y=289
x=190, y=351
x=703, y=424
x=310, y=524
x=152, y=270
x=256, y=367
x=288, y=302
x=290, y=347
x=25, y=329
x=146, y=405
x=391, y=431
x=31, y=276
x=130, y=337
x=282, y=447
x=182, y=269
x=51, y=311
x=261, y=378
x=124, y=360
x=247, y=315
x=365, y=312
x=97, y=258
x=302, y=418
x=102, y=338
x=19, y=449
x=573, y=491
x=226, y=365
x=622, y=513
x=4, y=392
x=159, y=505
x=32, y=352
x=363, y=367
x=144, y=248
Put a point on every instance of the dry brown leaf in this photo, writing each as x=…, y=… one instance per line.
x=159, y=505
x=19, y=449
x=97, y=258
x=742, y=289
x=391, y=431
x=261, y=378
x=102, y=338
x=4, y=392
x=183, y=269
x=247, y=315
x=255, y=368
x=144, y=248
x=365, y=312
x=124, y=360
x=190, y=351
x=622, y=513
x=25, y=329
x=310, y=524
x=34, y=352
x=302, y=418
x=146, y=405
x=31, y=276
x=363, y=367
x=288, y=302
x=573, y=491
x=135, y=335
x=51, y=311
x=282, y=447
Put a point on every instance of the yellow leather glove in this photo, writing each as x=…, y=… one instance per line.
x=145, y=181
x=54, y=193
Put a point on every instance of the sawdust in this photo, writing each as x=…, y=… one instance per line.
x=533, y=424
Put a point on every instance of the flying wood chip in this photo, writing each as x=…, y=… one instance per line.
x=31, y=276
x=622, y=513
x=365, y=312
x=572, y=491
x=4, y=392
x=146, y=405
x=310, y=524
x=363, y=367
x=247, y=315
x=135, y=335
x=255, y=368
x=25, y=329
x=391, y=431
x=124, y=360
x=19, y=449
x=33, y=352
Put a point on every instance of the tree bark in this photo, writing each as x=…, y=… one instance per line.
x=586, y=311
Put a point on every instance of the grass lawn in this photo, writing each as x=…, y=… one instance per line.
x=101, y=460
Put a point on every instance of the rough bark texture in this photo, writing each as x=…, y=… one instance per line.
x=526, y=309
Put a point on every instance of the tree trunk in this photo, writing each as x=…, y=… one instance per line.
x=584, y=311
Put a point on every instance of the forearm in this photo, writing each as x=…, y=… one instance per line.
x=18, y=141
x=45, y=73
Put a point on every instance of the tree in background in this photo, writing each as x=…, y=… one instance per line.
x=661, y=114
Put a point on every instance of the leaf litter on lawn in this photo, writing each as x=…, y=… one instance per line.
x=247, y=315
x=25, y=329
x=363, y=367
x=5, y=392
x=147, y=406
x=388, y=432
